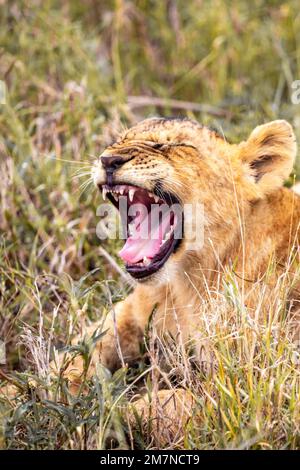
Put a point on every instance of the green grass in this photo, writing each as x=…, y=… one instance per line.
x=72, y=72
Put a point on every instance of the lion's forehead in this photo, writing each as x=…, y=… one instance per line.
x=164, y=130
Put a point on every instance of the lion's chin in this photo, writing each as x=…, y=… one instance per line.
x=165, y=275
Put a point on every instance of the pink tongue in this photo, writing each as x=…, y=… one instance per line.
x=145, y=242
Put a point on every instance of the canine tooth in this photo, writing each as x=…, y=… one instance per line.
x=167, y=235
x=104, y=191
x=146, y=261
x=131, y=228
x=131, y=194
x=121, y=191
x=156, y=198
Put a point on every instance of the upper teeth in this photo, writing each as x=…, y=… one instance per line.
x=117, y=190
x=131, y=194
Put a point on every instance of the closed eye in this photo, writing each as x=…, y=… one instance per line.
x=168, y=145
x=158, y=145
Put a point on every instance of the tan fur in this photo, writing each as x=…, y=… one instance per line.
x=250, y=220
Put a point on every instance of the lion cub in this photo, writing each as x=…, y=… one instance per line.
x=225, y=208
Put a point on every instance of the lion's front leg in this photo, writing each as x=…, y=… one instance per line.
x=123, y=336
x=123, y=330
x=125, y=327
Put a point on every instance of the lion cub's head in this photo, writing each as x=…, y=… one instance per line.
x=184, y=187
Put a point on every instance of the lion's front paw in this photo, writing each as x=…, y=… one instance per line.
x=164, y=416
x=81, y=367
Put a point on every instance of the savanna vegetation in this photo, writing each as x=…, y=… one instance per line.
x=74, y=74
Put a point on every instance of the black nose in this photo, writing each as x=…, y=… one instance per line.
x=110, y=164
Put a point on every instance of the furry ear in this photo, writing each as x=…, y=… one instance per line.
x=269, y=153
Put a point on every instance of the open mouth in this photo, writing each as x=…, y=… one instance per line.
x=152, y=224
